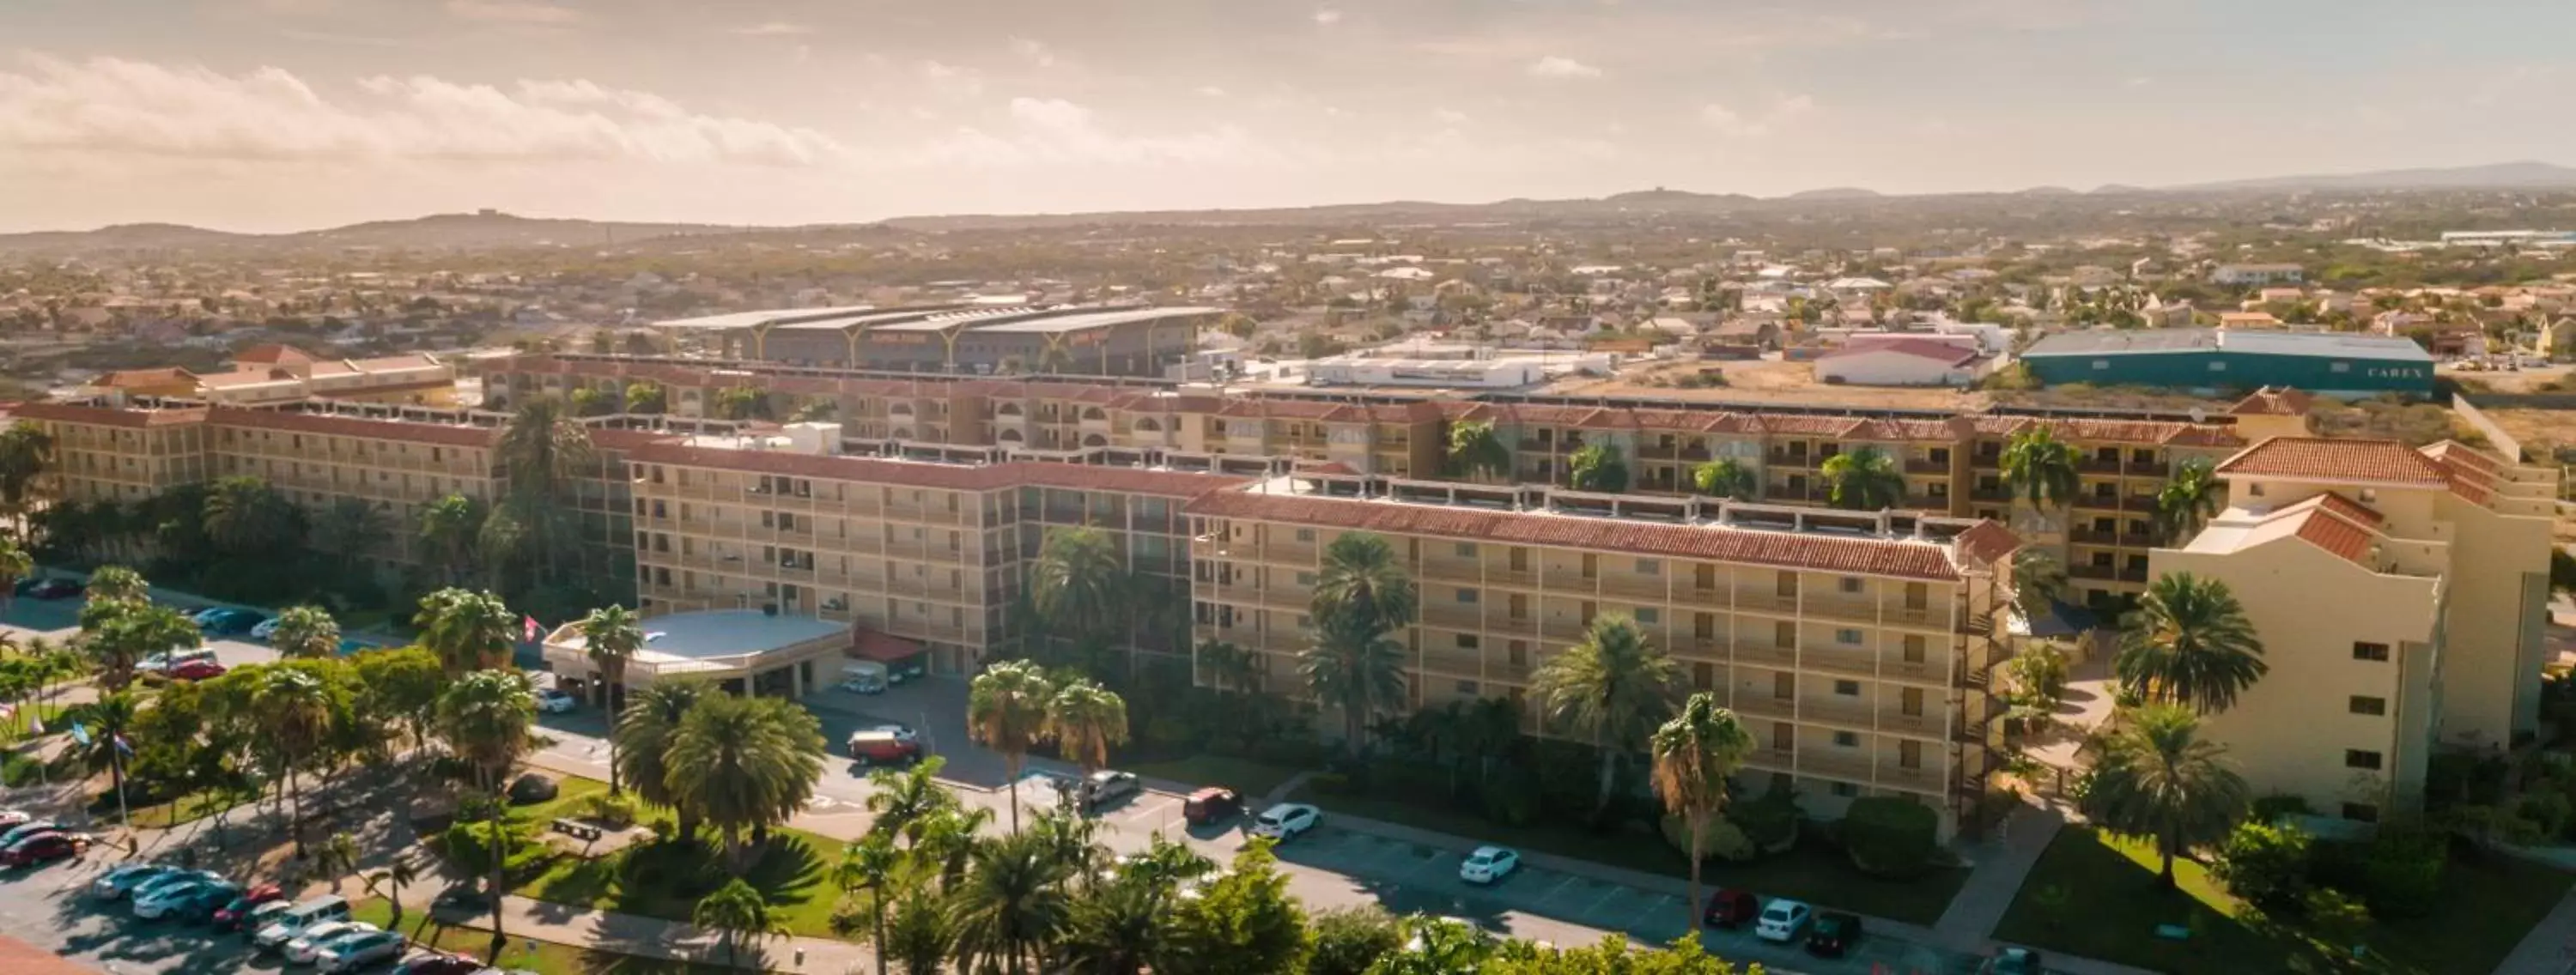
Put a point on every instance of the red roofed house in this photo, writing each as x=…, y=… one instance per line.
x=1905, y=360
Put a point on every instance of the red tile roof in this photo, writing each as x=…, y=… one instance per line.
x=2343, y=538
x=2335, y=461
x=271, y=355
x=407, y=431
x=1946, y=353
x=146, y=377
x=1823, y=553
x=2273, y=401
x=108, y=416
x=929, y=474
x=1988, y=543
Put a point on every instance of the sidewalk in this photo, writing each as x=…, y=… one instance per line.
x=649, y=937
x=1999, y=866
x=2550, y=947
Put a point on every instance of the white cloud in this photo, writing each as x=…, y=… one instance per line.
x=513, y=12
x=1553, y=66
x=1735, y=124
x=1053, y=131
x=1328, y=17
x=1033, y=52
x=1211, y=91
x=773, y=28
x=951, y=80
x=1450, y=115
x=116, y=107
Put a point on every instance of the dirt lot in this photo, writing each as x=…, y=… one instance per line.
x=2542, y=432
x=1763, y=381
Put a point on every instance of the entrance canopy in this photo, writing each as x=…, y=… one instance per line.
x=884, y=648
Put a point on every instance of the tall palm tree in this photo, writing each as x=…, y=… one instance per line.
x=350, y=529
x=1011, y=904
x=485, y=718
x=544, y=449
x=1362, y=577
x=106, y=720
x=2190, y=644
x=643, y=734
x=245, y=515
x=612, y=636
x=1114, y=929
x=2189, y=499
x=746, y=764
x=2038, y=579
x=292, y=710
x=1476, y=451
x=1612, y=688
x=306, y=631
x=116, y=583
x=117, y=635
x=469, y=630
x=2156, y=777
x=1086, y=720
x=949, y=839
x=25, y=452
x=869, y=865
x=1695, y=753
x=15, y=564
x=448, y=529
x=1865, y=479
x=1006, y=711
x=902, y=801
x=337, y=859
x=1077, y=582
x=1726, y=477
x=1230, y=667
x=736, y=911
x=1353, y=668
x=2040, y=467
x=389, y=882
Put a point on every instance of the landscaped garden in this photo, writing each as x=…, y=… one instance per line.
x=541, y=957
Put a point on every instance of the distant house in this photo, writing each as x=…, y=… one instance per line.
x=2247, y=319
x=1904, y=361
x=2257, y=274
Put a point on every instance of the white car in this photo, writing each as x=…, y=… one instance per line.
x=1489, y=864
x=1286, y=820
x=351, y=952
x=556, y=700
x=266, y=629
x=309, y=943
x=13, y=818
x=167, y=897
x=1782, y=920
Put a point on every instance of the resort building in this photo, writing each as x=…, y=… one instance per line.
x=742, y=651
x=275, y=374
x=1087, y=340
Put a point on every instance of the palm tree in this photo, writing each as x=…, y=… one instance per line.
x=1865, y=479
x=869, y=865
x=292, y=710
x=1011, y=904
x=1076, y=582
x=734, y=911
x=746, y=764
x=117, y=635
x=469, y=630
x=1695, y=753
x=1361, y=577
x=612, y=636
x=306, y=631
x=2158, y=778
x=15, y=564
x=106, y=720
x=1006, y=710
x=1597, y=467
x=643, y=745
x=245, y=515
x=1114, y=929
x=350, y=529
x=485, y=717
x=2038, y=580
x=116, y=583
x=1726, y=477
x=2189, y=499
x=1355, y=669
x=2190, y=644
x=901, y=801
x=337, y=859
x=2040, y=466
x=1612, y=688
x=1476, y=451
x=448, y=529
x=25, y=452
x=545, y=450
x=1230, y=667
x=389, y=882
x=949, y=839
x=1086, y=720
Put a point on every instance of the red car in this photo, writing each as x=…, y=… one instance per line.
x=197, y=670
x=43, y=848
x=1731, y=908
x=231, y=914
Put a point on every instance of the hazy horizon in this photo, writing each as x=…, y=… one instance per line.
x=276, y=115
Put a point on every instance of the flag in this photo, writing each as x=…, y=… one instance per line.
x=36, y=722
x=80, y=734
x=123, y=745
x=528, y=625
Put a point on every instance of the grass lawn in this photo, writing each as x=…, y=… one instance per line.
x=2113, y=904
x=1253, y=779
x=665, y=881
x=1811, y=872
x=185, y=809
x=547, y=958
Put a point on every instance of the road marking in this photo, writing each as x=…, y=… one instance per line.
x=1559, y=888
x=1150, y=813
x=1615, y=890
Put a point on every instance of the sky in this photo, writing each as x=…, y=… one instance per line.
x=277, y=115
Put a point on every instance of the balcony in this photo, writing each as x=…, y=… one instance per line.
x=1838, y=763
x=1455, y=616
x=1564, y=628
x=1923, y=780
x=1926, y=671
x=1451, y=570
x=1850, y=663
x=1453, y=663
x=2134, y=574
x=2148, y=468
x=1758, y=601
x=1511, y=625
x=1996, y=495
x=1835, y=709
x=1648, y=588
x=2097, y=502
x=2098, y=572
x=2092, y=536
x=2097, y=465
x=1782, y=458
x=1919, y=466
x=1841, y=608
x=1772, y=759
x=1926, y=502
x=1767, y=706
x=1895, y=721
x=1765, y=655
x=1516, y=578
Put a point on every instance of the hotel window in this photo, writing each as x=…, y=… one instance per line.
x=1305, y=534
x=1466, y=687
x=1467, y=641
x=2370, y=706
x=2370, y=651
x=2254, y=490
x=1850, y=585
x=1846, y=790
x=1847, y=739
x=1846, y=688
x=1847, y=637
x=1467, y=596
x=2361, y=812
x=2361, y=759
x=1466, y=550
x=1650, y=567
x=1650, y=617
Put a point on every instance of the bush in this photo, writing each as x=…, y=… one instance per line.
x=2335, y=916
x=2271, y=808
x=2265, y=865
x=1890, y=837
x=1769, y=823
x=1348, y=940
x=1719, y=840
x=1510, y=797
x=2402, y=871
x=617, y=810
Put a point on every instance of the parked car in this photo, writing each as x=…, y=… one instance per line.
x=14, y=818
x=294, y=920
x=1782, y=920
x=167, y=880
x=160, y=663
x=437, y=963
x=43, y=848
x=556, y=700
x=1731, y=908
x=196, y=670
x=1285, y=820
x=1107, y=785
x=121, y=881
x=350, y=953
x=864, y=677
x=906, y=670
x=231, y=622
x=266, y=630
x=1489, y=864
x=237, y=913
x=883, y=748
x=1211, y=804
x=2012, y=960
x=208, y=899
x=1834, y=934
x=33, y=827
x=51, y=588
x=314, y=939
x=167, y=899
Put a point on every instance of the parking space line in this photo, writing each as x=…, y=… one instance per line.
x=1149, y=813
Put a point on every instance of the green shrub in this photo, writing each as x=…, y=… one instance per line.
x=2402, y=871
x=2337, y=918
x=2272, y=807
x=1770, y=823
x=2265, y=865
x=616, y=810
x=1510, y=797
x=1348, y=940
x=1718, y=840
x=1890, y=837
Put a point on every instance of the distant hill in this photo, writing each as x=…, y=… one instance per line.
x=487, y=230
x=2117, y=189
x=2046, y=191
x=1836, y=193
x=2496, y=176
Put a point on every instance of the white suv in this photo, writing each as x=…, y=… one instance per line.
x=1286, y=820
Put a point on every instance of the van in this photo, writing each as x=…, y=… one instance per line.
x=864, y=677
x=286, y=926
